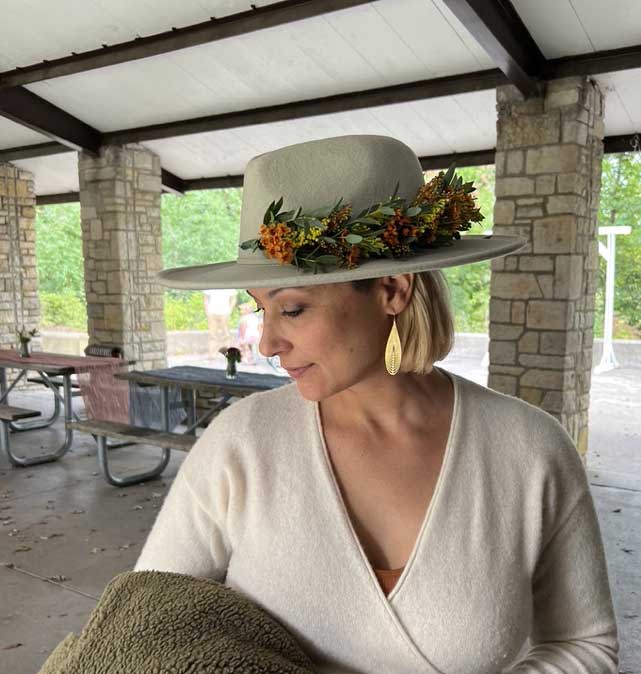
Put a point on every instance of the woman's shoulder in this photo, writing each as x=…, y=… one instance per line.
x=233, y=435
x=522, y=429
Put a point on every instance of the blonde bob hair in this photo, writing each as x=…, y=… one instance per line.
x=426, y=325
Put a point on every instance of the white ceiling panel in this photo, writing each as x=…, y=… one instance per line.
x=566, y=27
x=437, y=126
x=382, y=43
x=15, y=135
x=622, y=92
x=612, y=24
x=554, y=26
x=54, y=174
x=33, y=30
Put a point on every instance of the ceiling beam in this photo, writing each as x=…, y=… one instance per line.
x=63, y=198
x=499, y=30
x=399, y=93
x=257, y=18
x=24, y=107
x=172, y=183
x=443, y=161
x=31, y=151
x=214, y=183
x=630, y=142
x=594, y=63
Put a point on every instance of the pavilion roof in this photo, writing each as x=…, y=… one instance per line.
x=207, y=94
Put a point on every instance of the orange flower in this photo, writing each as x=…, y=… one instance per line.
x=353, y=256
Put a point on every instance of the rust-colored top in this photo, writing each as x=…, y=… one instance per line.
x=387, y=578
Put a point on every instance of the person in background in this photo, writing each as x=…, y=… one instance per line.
x=249, y=331
x=219, y=304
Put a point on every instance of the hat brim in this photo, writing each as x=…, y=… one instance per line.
x=468, y=249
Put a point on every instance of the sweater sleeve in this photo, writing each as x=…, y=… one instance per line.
x=574, y=629
x=191, y=534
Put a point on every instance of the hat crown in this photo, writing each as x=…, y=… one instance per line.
x=362, y=170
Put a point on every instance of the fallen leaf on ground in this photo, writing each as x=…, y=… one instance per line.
x=618, y=510
x=9, y=647
x=77, y=511
x=59, y=578
x=95, y=551
x=22, y=548
x=137, y=507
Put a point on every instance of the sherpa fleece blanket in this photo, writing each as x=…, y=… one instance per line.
x=153, y=622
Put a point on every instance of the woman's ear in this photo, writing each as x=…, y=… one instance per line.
x=397, y=291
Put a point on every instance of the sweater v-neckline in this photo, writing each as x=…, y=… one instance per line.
x=429, y=514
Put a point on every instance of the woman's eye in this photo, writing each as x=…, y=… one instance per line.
x=293, y=314
x=289, y=314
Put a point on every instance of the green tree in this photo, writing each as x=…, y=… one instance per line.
x=200, y=227
x=59, y=250
x=620, y=200
x=470, y=284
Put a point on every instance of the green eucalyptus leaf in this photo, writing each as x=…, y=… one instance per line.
x=353, y=238
x=450, y=173
x=414, y=210
x=386, y=210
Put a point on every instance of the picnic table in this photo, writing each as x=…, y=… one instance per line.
x=47, y=365
x=208, y=380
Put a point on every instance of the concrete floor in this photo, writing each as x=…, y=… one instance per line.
x=63, y=520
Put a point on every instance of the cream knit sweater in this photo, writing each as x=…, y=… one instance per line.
x=508, y=573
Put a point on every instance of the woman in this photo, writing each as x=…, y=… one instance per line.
x=395, y=517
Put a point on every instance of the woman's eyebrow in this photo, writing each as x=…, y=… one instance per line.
x=271, y=293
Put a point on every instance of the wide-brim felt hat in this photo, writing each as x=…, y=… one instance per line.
x=363, y=170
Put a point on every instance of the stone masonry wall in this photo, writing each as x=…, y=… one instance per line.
x=548, y=179
x=122, y=243
x=19, y=303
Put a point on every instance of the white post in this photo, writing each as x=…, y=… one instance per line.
x=608, y=359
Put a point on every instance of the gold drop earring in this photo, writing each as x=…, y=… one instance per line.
x=393, y=350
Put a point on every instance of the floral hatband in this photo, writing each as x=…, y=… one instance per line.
x=330, y=237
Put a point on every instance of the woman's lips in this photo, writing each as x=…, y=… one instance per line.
x=299, y=372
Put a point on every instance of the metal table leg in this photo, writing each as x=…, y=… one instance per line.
x=64, y=447
x=33, y=425
x=103, y=456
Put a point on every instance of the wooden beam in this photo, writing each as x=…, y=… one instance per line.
x=31, y=151
x=24, y=107
x=64, y=198
x=257, y=18
x=630, y=142
x=399, y=93
x=172, y=183
x=214, y=183
x=498, y=28
x=442, y=161
x=594, y=63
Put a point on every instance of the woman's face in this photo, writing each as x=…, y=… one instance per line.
x=336, y=331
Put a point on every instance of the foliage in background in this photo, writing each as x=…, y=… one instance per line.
x=200, y=227
x=59, y=250
x=63, y=310
x=470, y=284
x=621, y=205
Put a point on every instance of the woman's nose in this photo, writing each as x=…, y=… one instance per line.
x=271, y=343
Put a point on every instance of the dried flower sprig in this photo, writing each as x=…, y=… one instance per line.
x=25, y=335
x=329, y=237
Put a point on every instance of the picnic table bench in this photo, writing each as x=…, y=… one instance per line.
x=102, y=430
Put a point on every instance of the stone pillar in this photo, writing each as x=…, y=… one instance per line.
x=19, y=303
x=122, y=243
x=548, y=181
